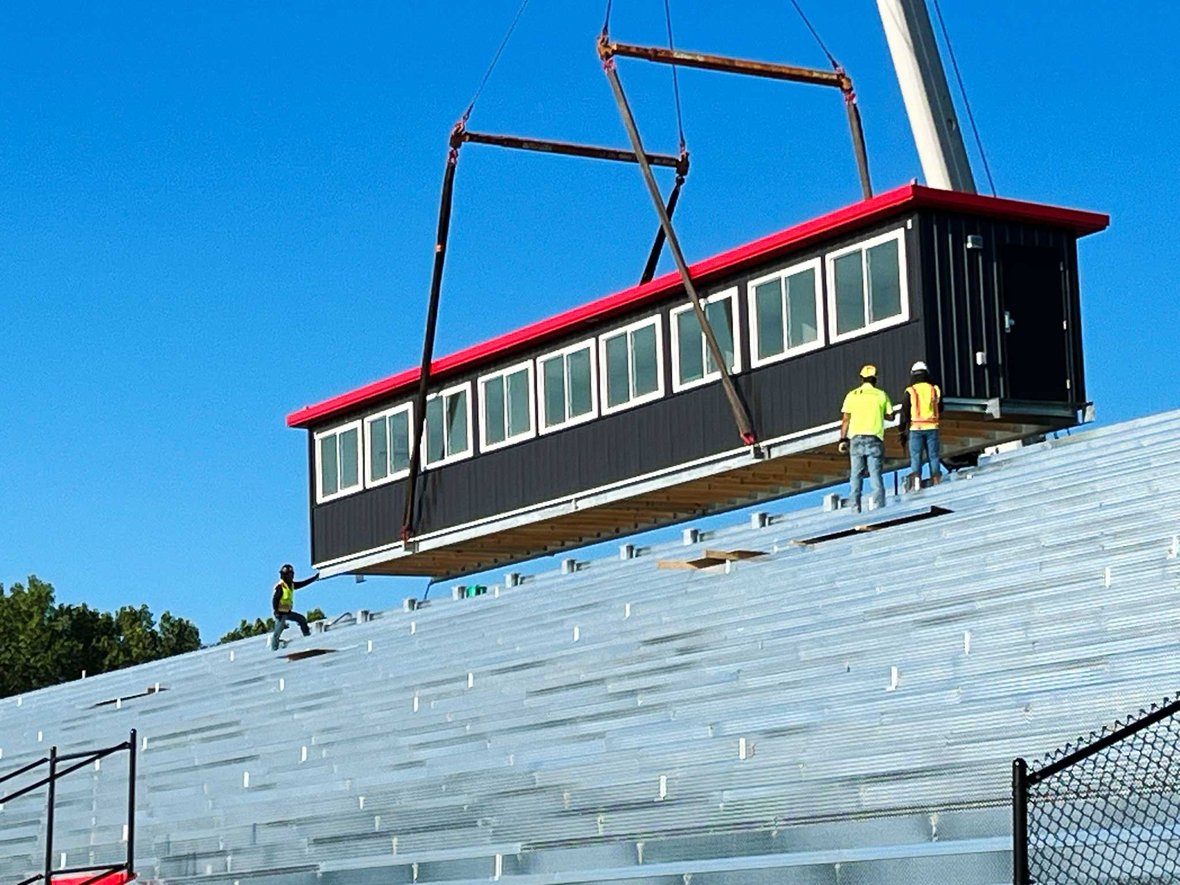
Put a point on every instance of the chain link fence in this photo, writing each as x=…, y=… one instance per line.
x=1104, y=809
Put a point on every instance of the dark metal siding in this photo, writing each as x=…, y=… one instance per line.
x=311, y=494
x=785, y=397
x=964, y=298
x=956, y=291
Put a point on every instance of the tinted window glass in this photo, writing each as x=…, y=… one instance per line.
x=553, y=372
x=850, y=306
x=520, y=419
x=435, y=440
x=581, y=400
x=378, y=448
x=720, y=316
x=349, y=457
x=884, y=281
x=493, y=410
x=646, y=360
x=688, y=347
x=618, y=372
x=804, y=324
x=329, y=466
x=457, y=423
x=768, y=305
x=399, y=435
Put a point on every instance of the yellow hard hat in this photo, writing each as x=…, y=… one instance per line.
x=869, y=371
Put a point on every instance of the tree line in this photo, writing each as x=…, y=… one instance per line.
x=44, y=642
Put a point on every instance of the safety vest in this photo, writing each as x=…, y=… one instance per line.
x=924, y=398
x=286, y=596
x=867, y=407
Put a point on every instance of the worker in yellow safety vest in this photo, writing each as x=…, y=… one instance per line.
x=920, y=410
x=862, y=436
x=283, y=603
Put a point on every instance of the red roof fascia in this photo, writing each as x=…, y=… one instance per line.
x=857, y=215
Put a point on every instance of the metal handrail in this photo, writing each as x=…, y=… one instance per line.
x=80, y=760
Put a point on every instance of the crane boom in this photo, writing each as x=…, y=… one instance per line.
x=927, y=96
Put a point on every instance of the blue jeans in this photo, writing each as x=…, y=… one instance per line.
x=924, y=441
x=281, y=619
x=866, y=452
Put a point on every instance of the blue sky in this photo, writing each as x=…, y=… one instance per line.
x=212, y=214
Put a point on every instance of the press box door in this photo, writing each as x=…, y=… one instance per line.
x=1033, y=324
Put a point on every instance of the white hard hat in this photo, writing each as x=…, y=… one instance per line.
x=919, y=366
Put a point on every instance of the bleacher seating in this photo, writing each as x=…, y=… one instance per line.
x=845, y=711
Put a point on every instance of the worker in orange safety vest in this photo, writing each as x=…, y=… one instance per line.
x=921, y=408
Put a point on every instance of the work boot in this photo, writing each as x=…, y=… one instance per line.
x=913, y=482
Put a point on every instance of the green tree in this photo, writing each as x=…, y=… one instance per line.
x=259, y=627
x=27, y=657
x=43, y=643
x=177, y=635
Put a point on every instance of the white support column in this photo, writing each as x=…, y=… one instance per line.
x=927, y=97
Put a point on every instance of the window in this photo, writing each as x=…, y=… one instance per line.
x=632, y=365
x=506, y=406
x=867, y=285
x=387, y=443
x=784, y=313
x=567, y=389
x=338, y=461
x=692, y=363
x=448, y=425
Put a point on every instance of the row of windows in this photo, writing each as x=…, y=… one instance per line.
x=866, y=288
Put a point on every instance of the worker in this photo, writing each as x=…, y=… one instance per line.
x=283, y=602
x=920, y=411
x=862, y=436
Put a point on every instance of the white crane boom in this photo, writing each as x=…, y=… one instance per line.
x=927, y=97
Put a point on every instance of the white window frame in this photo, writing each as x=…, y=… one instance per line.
x=542, y=427
x=320, y=497
x=408, y=408
x=459, y=456
x=736, y=331
x=484, y=445
x=830, y=285
x=656, y=394
x=816, y=266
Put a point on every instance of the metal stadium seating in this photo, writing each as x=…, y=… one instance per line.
x=838, y=712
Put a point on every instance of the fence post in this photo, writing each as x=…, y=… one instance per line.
x=51, y=795
x=1019, y=822
x=132, y=747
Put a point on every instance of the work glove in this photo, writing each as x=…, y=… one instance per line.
x=842, y=448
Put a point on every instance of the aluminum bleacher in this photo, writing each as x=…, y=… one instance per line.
x=843, y=711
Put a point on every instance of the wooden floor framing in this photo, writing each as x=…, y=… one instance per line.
x=754, y=483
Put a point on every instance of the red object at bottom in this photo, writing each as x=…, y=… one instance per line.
x=117, y=878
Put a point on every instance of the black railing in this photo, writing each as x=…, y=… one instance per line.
x=59, y=765
x=1103, y=809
